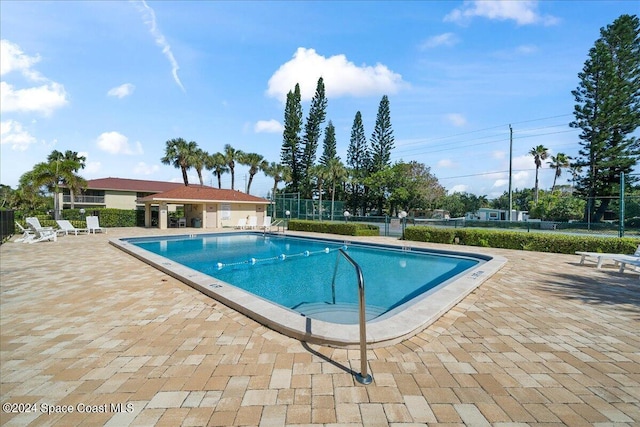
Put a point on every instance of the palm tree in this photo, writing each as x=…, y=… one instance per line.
x=558, y=162
x=279, y=173
x=336, y=173
x=199, y=162
x=62, y=169
x=539, y=154
x=231, y=155
x=180, y=154
x=218, y=165
x=320, y=174
x=255, y=162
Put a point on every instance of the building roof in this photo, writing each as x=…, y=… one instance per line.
x=137, y=185
x=200, y=194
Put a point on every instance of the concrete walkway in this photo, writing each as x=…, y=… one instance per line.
x=99, y=338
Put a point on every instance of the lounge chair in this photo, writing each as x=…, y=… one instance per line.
x=67, y=227
x=627, y=261
x=27, y=234
x=242, y=223
x=266, y=224
x=93, y=225
x=42, y=234
x=35, y=222
x=600, y=257
x=253, y=222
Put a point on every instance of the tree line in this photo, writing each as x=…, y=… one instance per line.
x=607, y=111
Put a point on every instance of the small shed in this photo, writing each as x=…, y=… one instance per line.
x=205, y=207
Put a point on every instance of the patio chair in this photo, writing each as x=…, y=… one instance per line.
x=266, y=224
x=253, y=222
x=628, y=261
x=242, y=223
x=35, y=222
x=42, y=234
x=600, y=257
x=93, y=225
x=27, y=234
x=67, y=227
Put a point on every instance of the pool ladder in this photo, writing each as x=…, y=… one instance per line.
x=363, y=377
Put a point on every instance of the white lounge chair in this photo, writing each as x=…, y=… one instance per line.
x=242, y=223
x=600, y=257
x=42, y=235
x=93, y=225
x=67, y=227
x=266, y=224
x=27, y=234
x=253, y=222
x=627, y=261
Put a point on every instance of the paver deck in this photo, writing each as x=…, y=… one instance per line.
x=89, y=329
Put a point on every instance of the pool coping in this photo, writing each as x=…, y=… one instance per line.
x=387, y=331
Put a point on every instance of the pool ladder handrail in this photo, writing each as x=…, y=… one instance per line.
x=362, y=377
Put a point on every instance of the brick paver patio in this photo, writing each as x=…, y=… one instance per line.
x=89, y=329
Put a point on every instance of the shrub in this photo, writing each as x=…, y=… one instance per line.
x=540, y=242
x=342, y=228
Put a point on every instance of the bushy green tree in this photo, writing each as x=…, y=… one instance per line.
x=292, y=150
x=359, y=161
x=607, y=111
x=311, y=138
x=181, y=154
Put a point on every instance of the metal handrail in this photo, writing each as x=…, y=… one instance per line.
x=363, y=377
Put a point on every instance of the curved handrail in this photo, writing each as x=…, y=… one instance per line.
x=363, y=377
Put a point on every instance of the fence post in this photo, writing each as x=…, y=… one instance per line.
x=621, y=219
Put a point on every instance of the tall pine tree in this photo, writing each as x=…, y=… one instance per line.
x=608, y=112
x=358, y=160
x=311, y=138
x=329, y=145
x=291, y=152
x=382, y=138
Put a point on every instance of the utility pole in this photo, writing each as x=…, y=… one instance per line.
x=510, y=170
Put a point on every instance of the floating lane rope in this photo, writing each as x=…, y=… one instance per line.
x=281, y=257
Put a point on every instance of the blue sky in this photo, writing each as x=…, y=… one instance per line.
x=116, y=80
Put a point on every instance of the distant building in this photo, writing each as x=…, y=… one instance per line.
x=488, y=214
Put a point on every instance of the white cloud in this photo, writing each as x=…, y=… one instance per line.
x=149, y=17
x=14, y=59
x=445, y=163
x=456, y=119
x=11, y=132
x=498, y=155
x=268, y=126
x=42, y=99
x=341, y=77
x=144, y=169
x=117, y=143
x=446, y=39
x=459, y=188
x=122, y=90
x=522, y=12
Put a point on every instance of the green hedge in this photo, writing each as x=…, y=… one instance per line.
x=109, y=217
x=540, y=242
x=342, y=228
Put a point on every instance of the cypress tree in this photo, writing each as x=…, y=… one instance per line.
x=359, y=160
x=329, y=150
x=608, y=112
x=291, y=152
x=382, y=137
x=311, y=138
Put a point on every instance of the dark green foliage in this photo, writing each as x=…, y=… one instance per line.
x=540, y=242
x=358, y=160
x=342, y=228
x=317, y=114
x=607, y=111
x=329, y=150
x=292, y=150
x=382, y=137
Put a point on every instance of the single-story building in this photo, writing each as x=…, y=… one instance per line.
x=205, y=207
x=489, y=214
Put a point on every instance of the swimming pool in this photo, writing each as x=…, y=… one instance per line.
x=301, y=287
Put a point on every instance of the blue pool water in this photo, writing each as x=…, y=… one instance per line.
x=297, y=273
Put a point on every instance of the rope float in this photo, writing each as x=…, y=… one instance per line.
x=281, y=257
